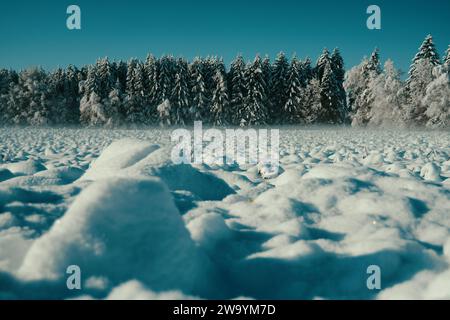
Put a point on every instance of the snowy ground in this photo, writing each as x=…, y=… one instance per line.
x=141, y=227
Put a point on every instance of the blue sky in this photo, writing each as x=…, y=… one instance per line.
x=34, y=32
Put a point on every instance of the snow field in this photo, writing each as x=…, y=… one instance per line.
x=141, y=227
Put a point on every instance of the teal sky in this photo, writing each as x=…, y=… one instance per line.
x=34, y=32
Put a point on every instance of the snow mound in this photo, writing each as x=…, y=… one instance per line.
x=120, y=227
x=208, y=230
x=431, y=172
x=27, y=167
x=140, y=158
x=66, y=174
x=135, y=290
x=119, y=155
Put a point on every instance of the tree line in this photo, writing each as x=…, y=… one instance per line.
x=172, y=91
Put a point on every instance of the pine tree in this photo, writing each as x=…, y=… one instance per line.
x=237, y=85
x=291, y=110
x=255, y=104
x=278, y=88
x=219, y=103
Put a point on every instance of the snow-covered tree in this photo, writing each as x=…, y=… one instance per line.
x=278, y=87
x=135, y=100
x=337, y=66
x=71, y=94
x=373, y=66
x=291, y=110
x=437, y=99
x=28, y=101
x=165, y=79
x=447, y=57
x=386, y=88
x=181, y=99
x=164, y=113
x=150, y=87
x=200, y=100
x=323, y=60
x=255, y=103
x=219, y=103
x=358, y=87
x=331, y=104
x=310, y=106
x=427, y=52
x=104, y=75
x=237, y=84
x=307, y=72
x=92, y=111
x=420, y=75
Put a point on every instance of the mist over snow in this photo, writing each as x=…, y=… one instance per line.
x=141, y=227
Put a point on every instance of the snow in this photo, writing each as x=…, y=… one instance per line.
x=141, y=227
x=117, y=227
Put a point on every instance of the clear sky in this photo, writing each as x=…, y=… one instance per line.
x=34, y=32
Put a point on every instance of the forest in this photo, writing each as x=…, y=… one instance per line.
x=172, y=91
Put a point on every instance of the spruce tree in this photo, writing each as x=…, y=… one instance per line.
x=150, y=70
x=291, y=110
x=278, y=87
x=337, y=66
x=219, y=103
x=447, y=60
x=181, y=99
x=373, y=66
x=135, y=98
x=329, y=97
x=323, y=60
x=237, y=86
x=255, y=105
x=310, y=106
x=420, y=75
x=200, y=101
